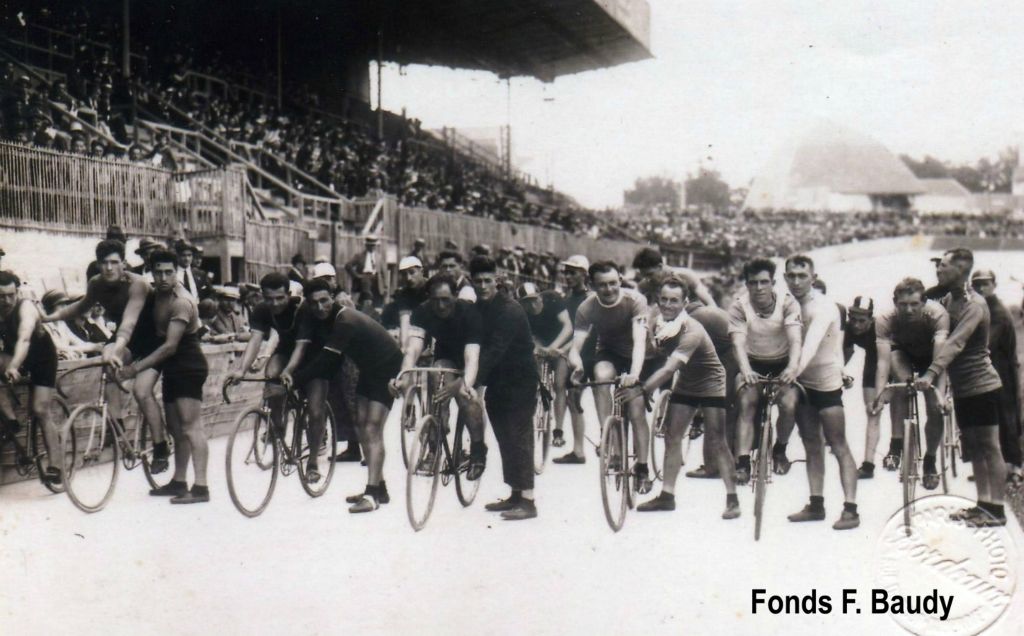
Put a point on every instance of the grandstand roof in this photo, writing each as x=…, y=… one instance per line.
x=830, y=160
x=537, y=38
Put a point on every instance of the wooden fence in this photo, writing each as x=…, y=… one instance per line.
x=269, y=247
x=60, y=192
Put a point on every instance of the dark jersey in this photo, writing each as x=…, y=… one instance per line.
x=364, y=340
x=546, y=326
x=573, y=300
x=405, y=300
x=314, y=330
x=866, y=341
x=451, y=334
x=285, y=324
x=113, y=297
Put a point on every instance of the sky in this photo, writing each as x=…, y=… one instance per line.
x=732, y=81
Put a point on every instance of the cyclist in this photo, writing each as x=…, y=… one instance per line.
x=180, y=361
x=411, y=293
x=716, y=322
x=908, y=337
x=766, y=335
x=975, y=383
x=552, y=329
x=315, y=319
x=509, y=371
x=126, y=301
x=860, y=332
x=28, y=348
x=821, y=414
x=574, y=273
x=378, y=359
x=454, y=327
x=278, y=312
x=688, y=349
x=618, y=318
x=450, y=262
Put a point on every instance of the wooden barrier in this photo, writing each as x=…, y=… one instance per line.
x=81, y=388
x=269, y=247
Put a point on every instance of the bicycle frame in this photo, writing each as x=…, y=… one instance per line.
x=293, y=401
x=437, y=408
x=130, y=448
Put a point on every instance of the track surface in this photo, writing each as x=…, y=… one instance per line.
x=308, y=566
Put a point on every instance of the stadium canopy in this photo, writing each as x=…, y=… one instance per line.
x=537, y=38
x=836, y=169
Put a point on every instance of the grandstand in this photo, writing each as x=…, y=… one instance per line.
x=251, y=131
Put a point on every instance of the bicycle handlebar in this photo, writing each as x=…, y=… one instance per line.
x=111, y=376
x=230, y=383
x=911, y=388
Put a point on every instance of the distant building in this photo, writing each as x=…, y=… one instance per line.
x=836, y=169
x=944, y=196
x=1018, y=181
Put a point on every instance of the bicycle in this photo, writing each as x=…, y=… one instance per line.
x=257, y=450
x=414, y=407
x=432, y=459
x=659, y=423
x=101, y=444
x=910, y=467
x=769, y=392
x=543, y=415
x=32, y=460
x=618, y=482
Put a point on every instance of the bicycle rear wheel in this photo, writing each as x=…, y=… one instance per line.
x=91, y=475
x=615, y=486
x=909, y=472
x=541, y=434
x=412, y=412
x=251, y=481
x=951, y=439
x=44, y=455
x=424, y=471
x=658, y=434
x=465, y=489
x=324, y=453
x=145, y=451
x=762, y=473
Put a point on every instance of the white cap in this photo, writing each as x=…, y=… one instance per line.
x=323, y=269
x=577, y=261
x=409, y=261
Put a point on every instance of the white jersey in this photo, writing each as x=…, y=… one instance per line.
x=824, y=371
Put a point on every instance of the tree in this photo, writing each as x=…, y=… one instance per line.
x=927, y=168
x=653, y=191
x=707, y=189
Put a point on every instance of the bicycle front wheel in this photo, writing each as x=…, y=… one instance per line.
x=762, y=473
x=541, y=434
x=91, y=474
x=44, y=455
x=908, y=472
x=251, y=481
x=658, y=434
x=412, y=412
x=323, y=452
x=465, y=489
x=614, y=472
x=424, y=472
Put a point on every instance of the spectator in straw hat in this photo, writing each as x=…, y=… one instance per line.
x=146, y=247
x=230, y=318
x=367, y=271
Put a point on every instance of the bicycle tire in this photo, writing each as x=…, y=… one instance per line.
x=615, y=477
x=40, y=449
x=465, y=489
x=145, y=451
x=92, y=468
x=762, y=472
x=326, y=453
x=412, y=412
x=954, y=442
x=944, y=452
x=428, y=468
x=541, y=435
x=249, y=431
x=908, y=472
x=658, y=434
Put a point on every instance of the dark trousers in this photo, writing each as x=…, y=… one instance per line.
x=511, y=415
